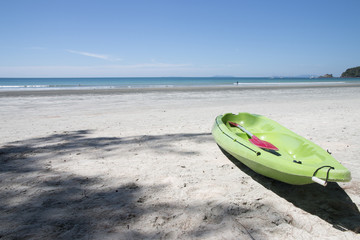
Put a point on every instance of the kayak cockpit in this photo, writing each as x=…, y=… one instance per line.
x=290, y=146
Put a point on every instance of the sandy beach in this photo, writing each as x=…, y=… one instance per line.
x=143, y=165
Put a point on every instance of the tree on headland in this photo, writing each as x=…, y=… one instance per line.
x=351, y=72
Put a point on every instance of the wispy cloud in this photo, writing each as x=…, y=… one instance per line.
x=94, y=55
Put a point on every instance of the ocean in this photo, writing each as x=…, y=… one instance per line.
x=19, y=84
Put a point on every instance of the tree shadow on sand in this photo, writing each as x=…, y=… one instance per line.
x=40, y=202
x=330, y=203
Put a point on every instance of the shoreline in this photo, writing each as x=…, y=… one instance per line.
x=114, y=91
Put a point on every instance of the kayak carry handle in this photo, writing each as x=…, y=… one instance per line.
x=320, y=181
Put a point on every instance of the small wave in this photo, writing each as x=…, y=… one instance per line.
x=11, y=86
x=25, y=86
x=287, y=83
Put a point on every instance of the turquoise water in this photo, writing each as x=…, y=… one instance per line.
x=95, y=83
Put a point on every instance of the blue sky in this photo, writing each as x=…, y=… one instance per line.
x=139, y=38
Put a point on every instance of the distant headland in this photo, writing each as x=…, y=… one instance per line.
x=351, y=72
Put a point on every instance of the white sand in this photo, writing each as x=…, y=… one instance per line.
x=145, y=166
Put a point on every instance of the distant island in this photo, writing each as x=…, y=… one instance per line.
x=326, y=76
x=351, y=73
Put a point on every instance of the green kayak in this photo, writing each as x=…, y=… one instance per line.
x=295, y=159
